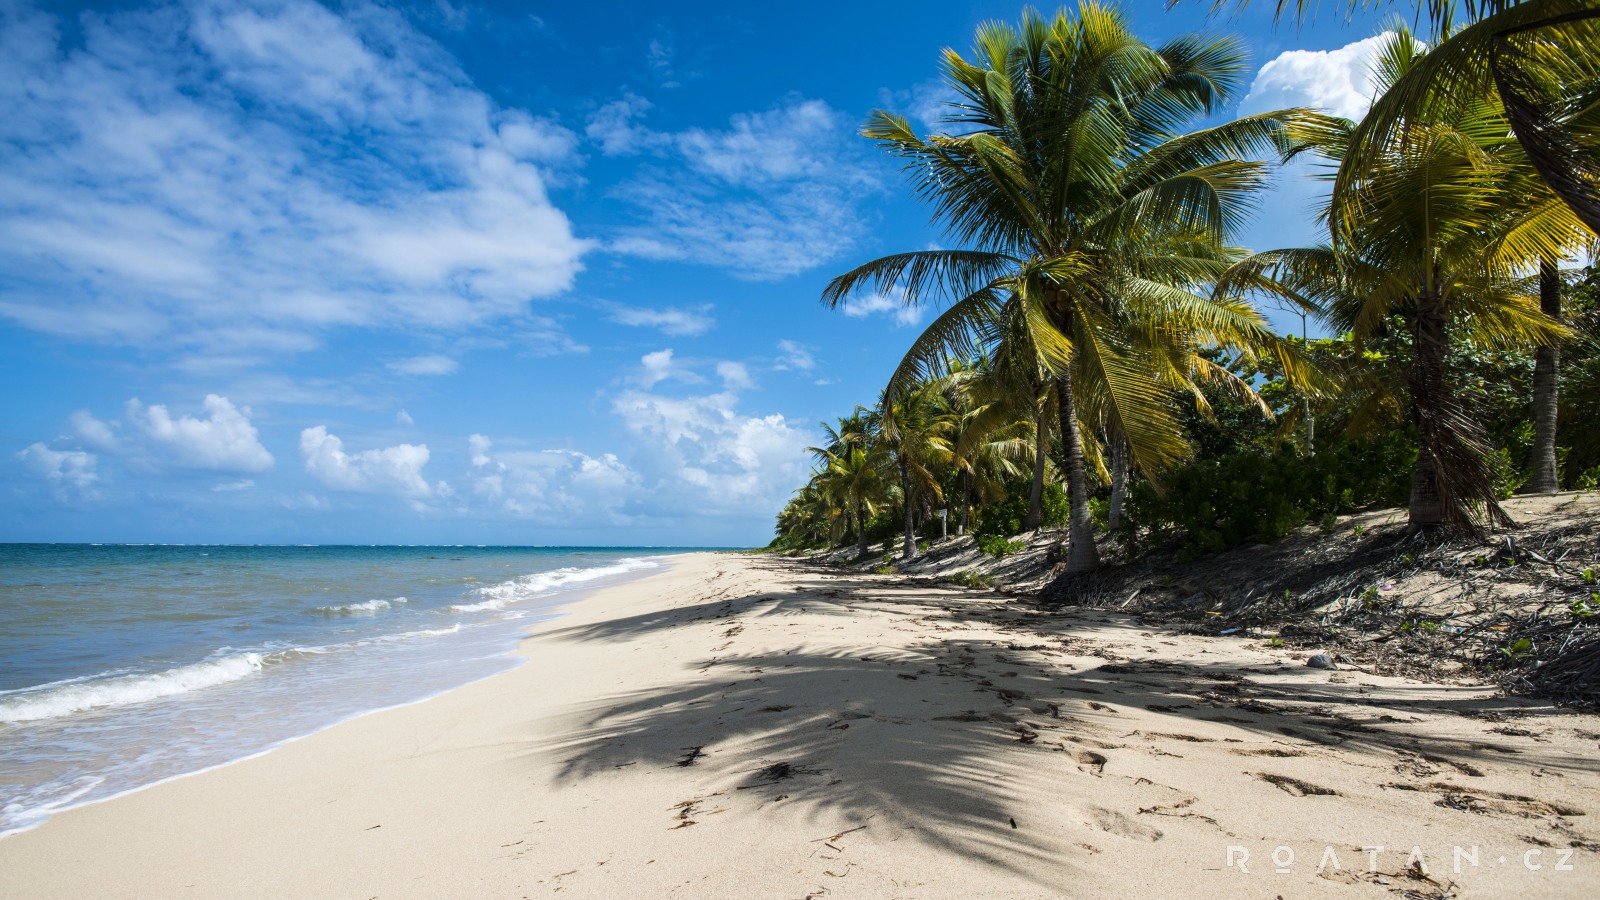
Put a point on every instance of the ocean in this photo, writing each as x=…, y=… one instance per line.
x=125, y=665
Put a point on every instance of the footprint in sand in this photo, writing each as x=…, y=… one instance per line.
x=1090, y=761
x=1122, y=825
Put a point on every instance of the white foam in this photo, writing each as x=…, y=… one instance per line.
x=498, y=595
x=49, y=702
x=366, y=608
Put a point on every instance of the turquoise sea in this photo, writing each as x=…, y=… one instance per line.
x=124, y=665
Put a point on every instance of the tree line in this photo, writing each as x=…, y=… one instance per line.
x=1100, y=320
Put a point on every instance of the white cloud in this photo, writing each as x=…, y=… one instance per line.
x=404, y=418
x=390, y=470
x=613, y=127
x=224, y=440
x=1339, y=81
x=926, y=103
x=229, y=175
x=773, y=194
x=93, y=432
x=68, y=472
x=432, y=364
x=706, y=453
x=579, y=488
x=894, y=305
x=794, y=357
x=659, y=366
x=228, y=487
x=735, y=375
x=675, y=321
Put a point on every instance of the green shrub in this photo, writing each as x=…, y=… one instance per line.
x=971, y=579
x=997, y=546
x=1250, y=496
x=883, y=570
x=1004, y=517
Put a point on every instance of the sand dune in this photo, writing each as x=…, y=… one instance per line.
x=745, y=727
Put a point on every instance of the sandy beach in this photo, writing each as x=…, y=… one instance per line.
x=742, y=726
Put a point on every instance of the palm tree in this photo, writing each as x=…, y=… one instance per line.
x=1439, y=229
x=851, y=460
x=993, y=431
x=857, y=477
x=913, y=429
x=1070, y=179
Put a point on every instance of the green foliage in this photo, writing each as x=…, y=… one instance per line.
x=883, y=569
x=1249, y=496
x=969, y=578
x=997, y=546
x=1100, y=512
x=1518, y=650
x=1004, y=518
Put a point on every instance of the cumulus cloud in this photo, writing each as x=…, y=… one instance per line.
x=1339, y=81
x=773, y=194
x=676, y=321
x=68, y=472
x=794, y=356
x=431, y=364
x=659, y=366
x=223, y=440
x=227, y=175
x=387, y=470
x=735, y=375
x=707, y=453
x=547, y=483
x=93, y=432
x=892, y=305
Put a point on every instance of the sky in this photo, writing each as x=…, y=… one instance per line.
x=479, y=273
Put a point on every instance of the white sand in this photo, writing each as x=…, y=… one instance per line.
x=906, y=714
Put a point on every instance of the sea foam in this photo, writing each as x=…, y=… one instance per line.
x=51, y=701
x=365, y=608
x=496, y=596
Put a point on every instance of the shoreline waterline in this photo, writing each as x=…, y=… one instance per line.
x=60, y=751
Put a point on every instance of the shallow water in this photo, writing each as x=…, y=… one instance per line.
x=124, y=665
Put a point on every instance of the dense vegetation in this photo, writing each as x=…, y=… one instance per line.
x=1101, y=362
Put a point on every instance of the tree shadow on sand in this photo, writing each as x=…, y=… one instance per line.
x=860, y=734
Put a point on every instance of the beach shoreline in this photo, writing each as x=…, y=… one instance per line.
x=853, y=735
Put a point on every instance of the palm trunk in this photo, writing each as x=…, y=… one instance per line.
x=1431, y=503
x=909, y=549
x=1081, y=553
x=1119, y=480
x=1546, y=393
x=1041, y=445
x=966, y=502
x=861, y=531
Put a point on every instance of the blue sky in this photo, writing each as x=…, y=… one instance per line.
x=527, y=273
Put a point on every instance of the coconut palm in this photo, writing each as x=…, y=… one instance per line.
x=913, y=429
x=1069, y=177
x=1441, y=230
x=994, y=431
